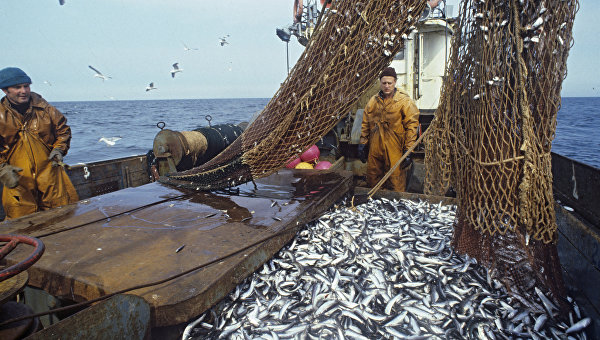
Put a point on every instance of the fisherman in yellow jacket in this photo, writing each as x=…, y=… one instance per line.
x=34, y=137
x=389, y=127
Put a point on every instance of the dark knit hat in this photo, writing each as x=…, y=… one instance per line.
x=388, y=72
x=11, y=76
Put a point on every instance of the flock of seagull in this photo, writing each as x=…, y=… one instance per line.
x=176, y=69
x=223, y=41
x=110, y=141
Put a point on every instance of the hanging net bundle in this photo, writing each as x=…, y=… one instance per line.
x=493, y=131
x=353, y=43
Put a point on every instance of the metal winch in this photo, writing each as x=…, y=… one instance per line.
x=13, y=280
x=183, y=150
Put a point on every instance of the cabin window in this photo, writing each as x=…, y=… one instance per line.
x=400, y=55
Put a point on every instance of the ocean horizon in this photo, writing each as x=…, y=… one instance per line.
x=135, y=123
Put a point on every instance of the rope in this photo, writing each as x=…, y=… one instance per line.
x=468, y=152
x=527, y=133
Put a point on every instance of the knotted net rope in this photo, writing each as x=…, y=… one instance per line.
x=493, y=132
x=353, y=43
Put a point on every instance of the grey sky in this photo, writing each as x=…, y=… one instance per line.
x=136, y=42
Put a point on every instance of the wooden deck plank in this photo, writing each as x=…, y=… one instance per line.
x=107, y=176
x=138, y=246
x=89, y=210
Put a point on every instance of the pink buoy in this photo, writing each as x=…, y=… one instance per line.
x=292, y=164
x=311, y=154
x=323, y=165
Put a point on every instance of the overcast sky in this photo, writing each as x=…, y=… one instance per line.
x=137, y=41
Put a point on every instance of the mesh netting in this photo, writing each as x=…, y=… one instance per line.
x=493, y=131
x=348, y=50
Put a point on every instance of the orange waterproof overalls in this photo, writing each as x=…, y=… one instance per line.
x=390, y=127
x=25, y=142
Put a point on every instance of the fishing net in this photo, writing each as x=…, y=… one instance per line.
x=493, y=131
x=353, y=43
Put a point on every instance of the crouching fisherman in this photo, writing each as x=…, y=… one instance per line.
x=34, y=137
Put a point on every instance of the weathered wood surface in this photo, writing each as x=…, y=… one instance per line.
x=130, y=237
x=13, y=286
x=102, y=177
x=88, y=211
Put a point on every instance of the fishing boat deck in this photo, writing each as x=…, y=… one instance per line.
x=145, y=234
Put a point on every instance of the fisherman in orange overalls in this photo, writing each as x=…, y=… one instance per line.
x=389, y=127
x=34, y=137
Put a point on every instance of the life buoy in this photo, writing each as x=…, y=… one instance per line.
x=298, y=8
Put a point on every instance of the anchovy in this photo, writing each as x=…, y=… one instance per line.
x=190, y=327
x=539, y=322
x=386, y=270
x=547, y=303
x=579, y=326
x=230, y=329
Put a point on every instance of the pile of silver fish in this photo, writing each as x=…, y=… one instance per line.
x=384, y=270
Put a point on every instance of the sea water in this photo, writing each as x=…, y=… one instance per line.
x=135, y=122
x=578, y=130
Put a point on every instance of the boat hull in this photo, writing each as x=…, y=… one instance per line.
x=101, y=186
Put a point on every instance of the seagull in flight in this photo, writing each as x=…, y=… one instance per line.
x=223, y=40
x=188, y=48
x=99, y=74
x=110, y=141
x=150, y=87
x=175, y=69
x=47, y=83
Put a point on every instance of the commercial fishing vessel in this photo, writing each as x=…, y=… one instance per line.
x=172, y=253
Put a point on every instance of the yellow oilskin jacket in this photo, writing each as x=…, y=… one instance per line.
x=389, y=126
x=25, y=142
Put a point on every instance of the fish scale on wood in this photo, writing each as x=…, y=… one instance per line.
x=409, y=284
